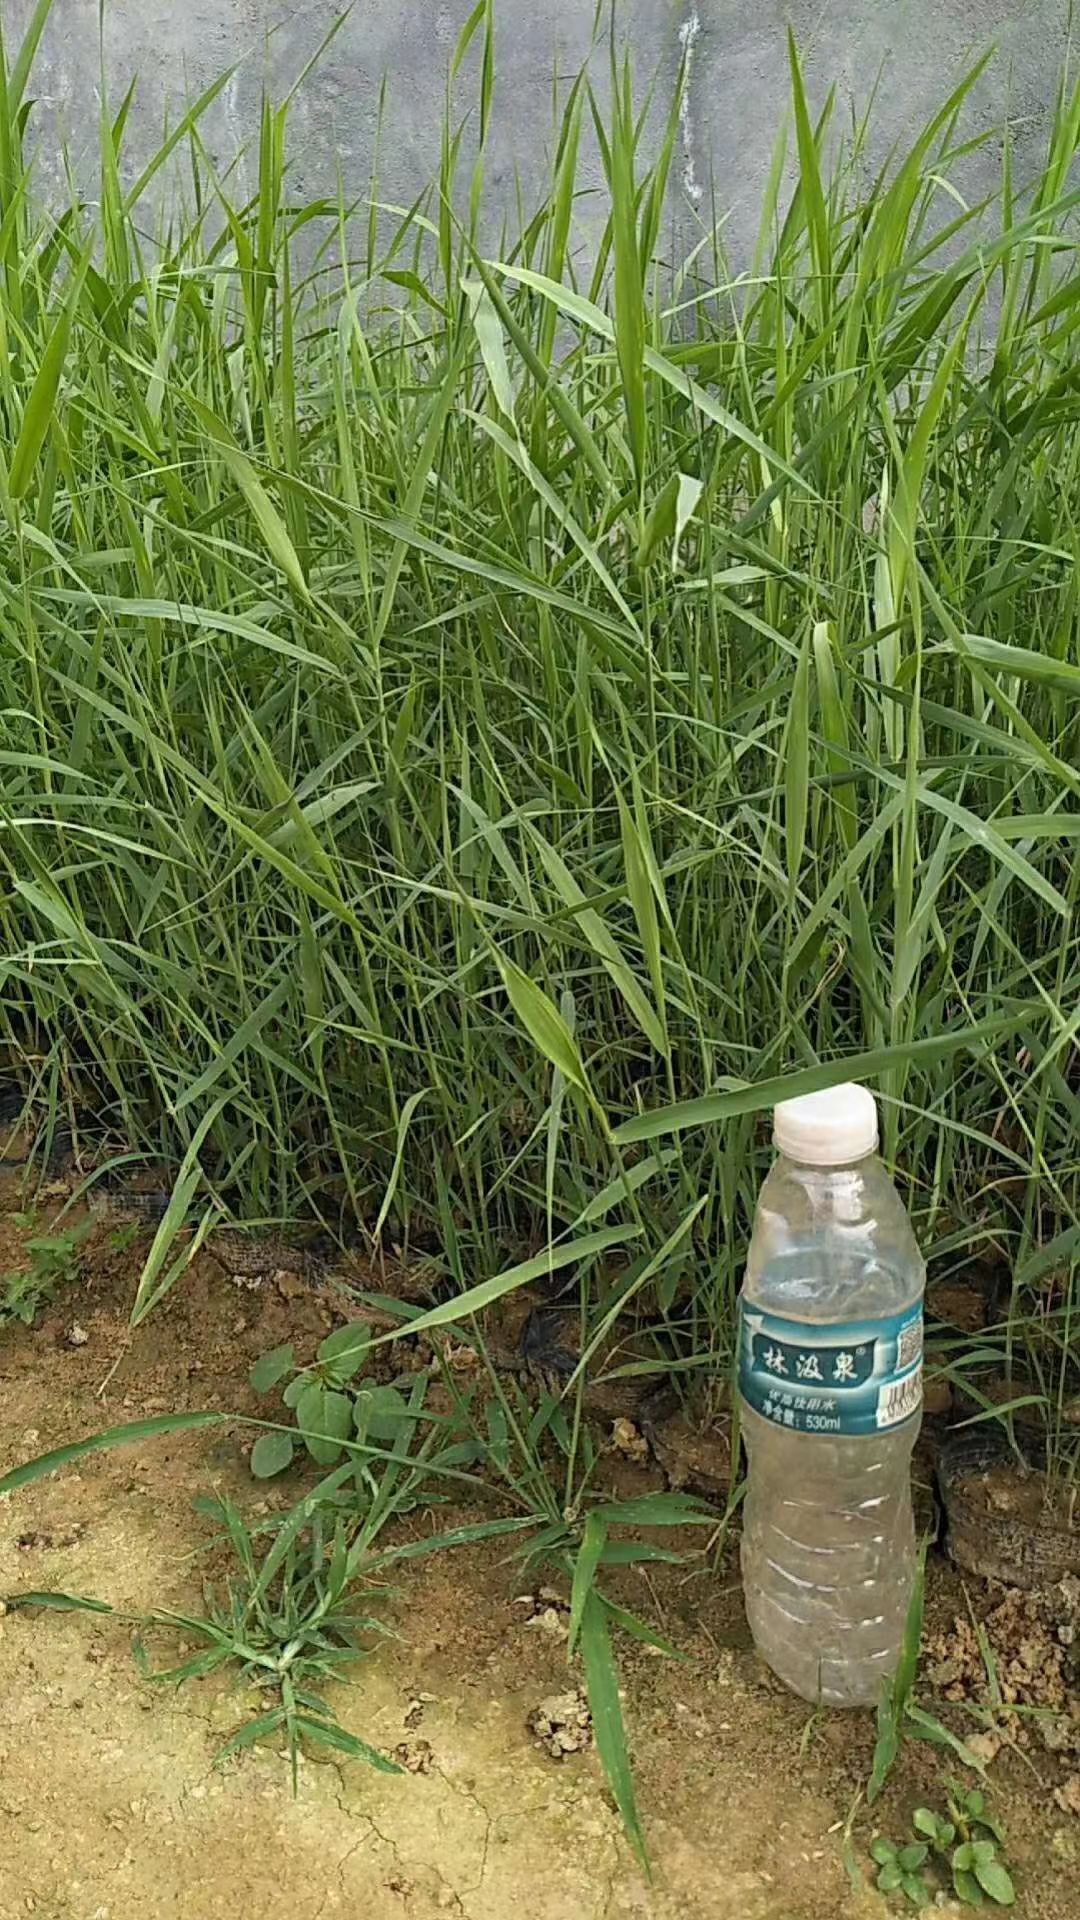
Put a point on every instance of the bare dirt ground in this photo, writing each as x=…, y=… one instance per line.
x=111, y=1807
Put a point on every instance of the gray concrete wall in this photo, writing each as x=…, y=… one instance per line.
x=738, y=89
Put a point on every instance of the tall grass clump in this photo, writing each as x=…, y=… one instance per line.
x=472, y=719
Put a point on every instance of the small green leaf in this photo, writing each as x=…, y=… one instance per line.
x=637, y=860
x=925, y=1821
x=271, y=1454
x=404, y=1120
x=659, y=521
x=263, y=511
x=926, y=1727
x=659, y=1510
x=797, y=772
x=492, y=343
x=157, y=1277
x=294, y=1389
x=890, y=1876
x=271, y=1367
x=342, y=1354
x=994, y=1880
x=545, y=1026
x=913, y=1856
x=602, y=1683
x=991, y=1824
x=982, y=1850
x=588, y=1559
x=968, y=1888
x=634, y=1553
x=40, y=409
x=56, y=1602
x=916, y=1889
x=686, y=505
x=325, y=1420
x=895, y=1701
x=963, y=1857
x=327, y=1733
x=258, y=1729
x=882, y=1850
x=640, y=1630
x=379, y=1412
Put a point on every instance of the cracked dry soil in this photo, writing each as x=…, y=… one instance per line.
x=111, y=1807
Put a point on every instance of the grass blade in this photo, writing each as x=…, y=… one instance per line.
x=475, y=1299
x=602, y=1684
x=127, y=1436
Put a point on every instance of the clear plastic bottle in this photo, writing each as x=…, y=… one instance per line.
x=830, y=1367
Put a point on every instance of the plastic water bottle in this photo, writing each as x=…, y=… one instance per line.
x=830, y=1377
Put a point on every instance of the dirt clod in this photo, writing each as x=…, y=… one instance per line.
x=1026, y=1660
x=985, y=1746
x=629, y=1440
x=549, y=1620
x=561, y=1723
x=1067, y=1796
x=40, y=1541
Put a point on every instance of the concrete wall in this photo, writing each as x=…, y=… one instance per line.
x=738, y=78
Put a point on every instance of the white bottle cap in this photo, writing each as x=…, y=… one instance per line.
x=827, y=1129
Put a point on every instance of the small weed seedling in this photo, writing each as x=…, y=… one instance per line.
x=330, y=1402
x=899, y=1715
x=294, y=1613
x=899, y=1869
x=285, y=1625
x=965, y=1846
x=54, y=1263
x=288, y=1624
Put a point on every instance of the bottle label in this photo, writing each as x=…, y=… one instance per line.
x=846, y=1377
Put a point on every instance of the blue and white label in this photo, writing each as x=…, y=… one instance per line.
x=846, y=1377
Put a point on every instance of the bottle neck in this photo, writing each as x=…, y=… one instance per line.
x=826, y=1167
